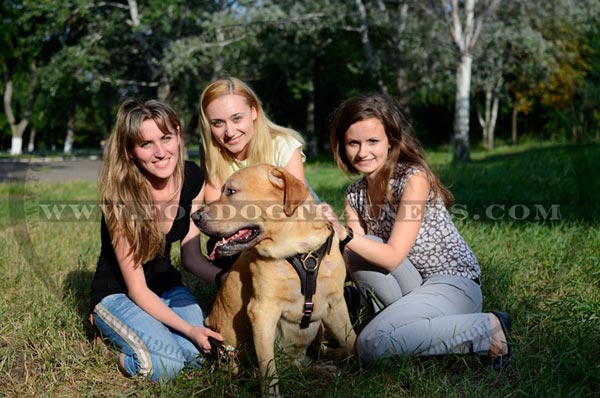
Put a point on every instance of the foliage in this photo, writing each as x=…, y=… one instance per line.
x=302, y=57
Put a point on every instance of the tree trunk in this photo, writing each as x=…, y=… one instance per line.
x=133, y=12
x=368, y=48
x=18, y=128
x=70, y=136
x=31, y=144
x=164, y=89
x=311, y=142
x=513, y=130
x=461, y=109
x=16, y=145
x=218, y=61
x=492, y=124
x=464, y=38
x=488, y=120
x=404, y=93
x=484, y=119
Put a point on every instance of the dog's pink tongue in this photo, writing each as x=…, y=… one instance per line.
x=242, y=233
x=239, y=234
x=213, y=254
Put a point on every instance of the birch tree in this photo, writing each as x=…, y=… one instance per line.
x=511, y=47
x=17, y=127
x=464, y=28
x=490, y=79
x=19, y=69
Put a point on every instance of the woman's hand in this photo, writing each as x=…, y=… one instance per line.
x=330, y=216
x=200, y=335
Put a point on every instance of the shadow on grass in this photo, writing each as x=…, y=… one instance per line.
x=559, y=176
x=76, y=290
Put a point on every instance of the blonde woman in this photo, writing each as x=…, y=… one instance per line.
x=148, y=193
x=237, y=133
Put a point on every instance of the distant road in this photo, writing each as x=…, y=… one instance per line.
x=49, y=170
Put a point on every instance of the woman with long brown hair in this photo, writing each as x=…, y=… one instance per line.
x=147, y=194
x=402, y=248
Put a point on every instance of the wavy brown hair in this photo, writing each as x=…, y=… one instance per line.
x=260, y=149
x=404, y=147
x=125, y=196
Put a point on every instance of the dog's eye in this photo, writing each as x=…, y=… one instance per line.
x=229, y=191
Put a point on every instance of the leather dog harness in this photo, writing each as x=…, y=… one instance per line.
x=307, y=267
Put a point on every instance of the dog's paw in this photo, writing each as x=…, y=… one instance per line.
x=336, y=354
x=328, y=370
x=223, y=353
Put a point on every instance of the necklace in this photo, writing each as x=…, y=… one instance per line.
x=373, y=209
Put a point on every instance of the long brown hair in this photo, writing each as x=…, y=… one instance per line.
x=124, y=193
x=404, y=147
x=260, y=149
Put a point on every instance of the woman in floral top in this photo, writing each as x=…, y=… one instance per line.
x=401, y=246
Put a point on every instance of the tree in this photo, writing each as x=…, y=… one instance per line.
x=363, y=30
x=465, y=34
x=18, y=127
x=568, y=68
x=406, y=53
x=549, y=61
x=510, y=47
x=19, y=67
x=297, y=41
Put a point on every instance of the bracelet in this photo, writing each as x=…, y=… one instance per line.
x=219, y=277
x=347, y=239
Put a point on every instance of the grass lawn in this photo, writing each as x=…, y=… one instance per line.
x=531, y=214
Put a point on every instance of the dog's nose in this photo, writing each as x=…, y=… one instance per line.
x=197, y=215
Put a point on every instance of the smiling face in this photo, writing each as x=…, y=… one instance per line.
x=367, y=146
x=231, y=121
x=157, y=153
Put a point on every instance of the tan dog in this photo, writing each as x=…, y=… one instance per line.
x=268, y=213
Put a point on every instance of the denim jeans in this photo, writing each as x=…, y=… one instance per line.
x=152, y=350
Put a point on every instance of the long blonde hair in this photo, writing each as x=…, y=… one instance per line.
x=404, y=147
x=219, y=160
x=125, y=196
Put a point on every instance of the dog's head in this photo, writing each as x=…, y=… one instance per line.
x=263, y=206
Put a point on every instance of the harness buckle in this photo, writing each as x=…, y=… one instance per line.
x=308, y=307
x=310, y=262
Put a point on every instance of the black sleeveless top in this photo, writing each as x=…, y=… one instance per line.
x=160, y=273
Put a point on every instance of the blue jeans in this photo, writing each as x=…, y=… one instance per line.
x=152, y=350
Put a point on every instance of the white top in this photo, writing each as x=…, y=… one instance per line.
x=283, y=149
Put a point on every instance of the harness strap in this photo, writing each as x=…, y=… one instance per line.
x=307, y=268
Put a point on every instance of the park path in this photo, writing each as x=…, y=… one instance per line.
x=49, y=170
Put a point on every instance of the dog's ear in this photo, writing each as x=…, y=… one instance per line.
x=294, y=190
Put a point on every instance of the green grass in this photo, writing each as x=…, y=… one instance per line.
x=544, y=269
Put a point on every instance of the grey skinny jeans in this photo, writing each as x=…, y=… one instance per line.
x=440, y=315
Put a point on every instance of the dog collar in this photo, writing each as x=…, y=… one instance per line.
x=307, y=267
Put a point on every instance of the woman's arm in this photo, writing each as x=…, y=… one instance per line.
x=295, y=165
x=352, y=220
x=408, y=222
x=212, y=190
x=191, y=255
x=147, y=300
